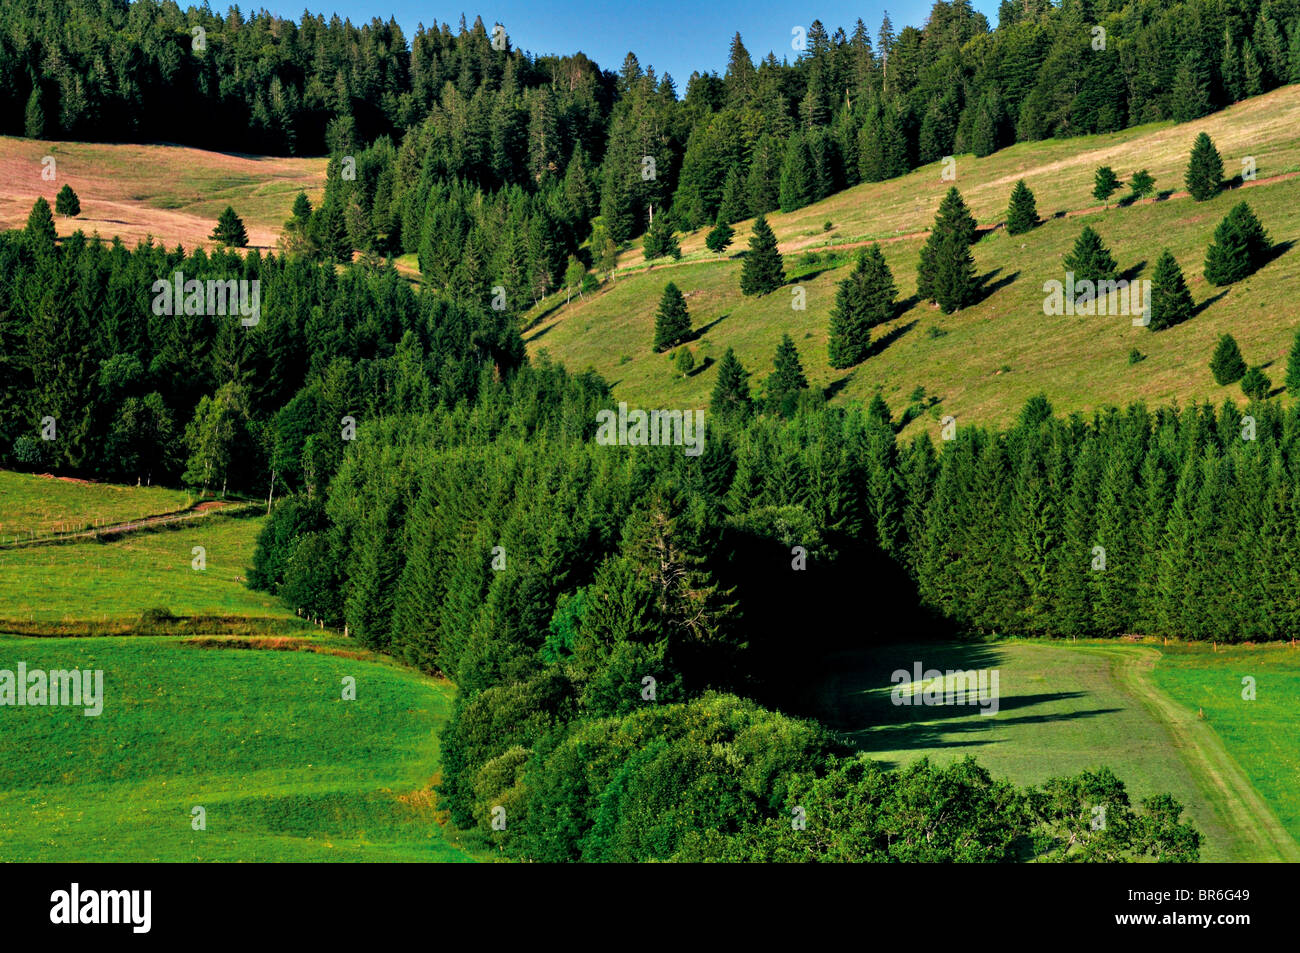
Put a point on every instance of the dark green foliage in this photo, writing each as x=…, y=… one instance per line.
x=660, y=242
x=734, y=206
x=1090, y=260
x=1255, y=384
x=1136, y=357
x=1105, y=184
x=954, y=284
x=1239, y=248
x=953, y=219
x=230, y=230
x=798, y=185
x=784, y=385
x=1293, y=366
x=1171, y=302
x=40, y=233
x=866, y=298
x=730, y=400
x=719, y=238
x=762, y=270
x=1142, y=184
x=1227, y=364
x=672, y=322
x=685, y=361
x=1204, y=177
x=1022, y=213
x=66, y=202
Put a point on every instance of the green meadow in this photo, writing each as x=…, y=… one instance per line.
x=1066, y=707
x=31, y=503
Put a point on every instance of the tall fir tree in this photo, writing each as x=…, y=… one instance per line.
x=1239, y=248
x=953, y=217
x=787, y=380
x=762, y=270
x=1227, y=364
x=866, y=298
x=1171, y=301
x=230, y=230
x=1090, y=260
x=672, y=321
x=1204, y=177
x=1022, y=213
x=730, y=400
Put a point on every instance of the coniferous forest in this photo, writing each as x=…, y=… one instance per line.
x=624, y=629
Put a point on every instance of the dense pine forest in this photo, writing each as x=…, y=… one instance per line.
x=616, y=620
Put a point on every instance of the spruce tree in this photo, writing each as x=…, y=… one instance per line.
x=953, y=217
x=34, y=118
x=763, y=269
x=1171, y=302
x=730, y=399
x=1189, y=94
x=1090, y=260
x=787, y=380
x=66, y=202
x=1239, y=248
x=1105, y=184
x=230, y=230
x=1227, y=364
x=719, y=238
x=672, y=322
x=1293, y=367
x=954, y=274
x=865, y=298
x=797, y=185
x=1204, y=176
x=1022, y=213
x=734, y=206
x=660, y=242
x=1255, y=384
x=40, y=232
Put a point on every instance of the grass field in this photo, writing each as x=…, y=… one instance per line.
x=1260, y=734
x=120, y=579
x=986, y=360
x=284, y=768
x=173, y=193
x=43, y=504
x=1063, y=708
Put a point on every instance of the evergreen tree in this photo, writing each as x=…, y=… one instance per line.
x=34, y=118
x=230, y=230
x=787, y=381
x=1255, y=384
x=66, y=202
x=1022, y=213
x=762, y=270
x=1239, y=248
x=734, y=207
x=955, y=285
x=1204, y=175
x=1189, y=96
x=953, y=218
x=40, y=232
x=1105, y=183
x=1230, y=68
x=1090, y=260
x=1171, y=302
x=685, y=361
x=672, y=321
x=719, y=238
x=1227, y=364
x=797, y=180
x=660, y=242
x=865, y=298
x=1293, y=367
x=986, y=128
x=730, y=399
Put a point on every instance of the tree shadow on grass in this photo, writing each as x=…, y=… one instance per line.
x=704, y=329
x=1197, y=309
x=1131, y=273
x=835, y=386
x=905, y=736
x=1276, y=252
x=988, y=287
x=881, y=343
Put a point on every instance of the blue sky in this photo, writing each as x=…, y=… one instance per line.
x=676, y=36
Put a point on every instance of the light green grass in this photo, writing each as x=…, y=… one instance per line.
x=285, y=768
x=1062, y=710
x=1079, y=362
x=119, y=580
x=1261, y=734
x=31, y=503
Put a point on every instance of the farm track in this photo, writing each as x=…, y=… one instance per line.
x=1225, y=784
x=127, y=527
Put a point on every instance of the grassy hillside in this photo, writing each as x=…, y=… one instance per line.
x=984, y=361
x=42, y=504
x=285, y=769
x=173, y=193
x=1063, y=709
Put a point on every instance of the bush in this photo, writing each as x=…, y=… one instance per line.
x=1255, y=384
